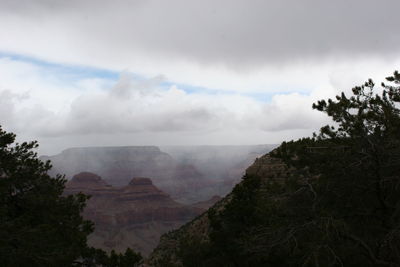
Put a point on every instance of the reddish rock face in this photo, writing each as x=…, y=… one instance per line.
x=131, y=216
x=187, y=174
x=117, y=165
x=140, y=192
x=87, y=181
x=140, y=181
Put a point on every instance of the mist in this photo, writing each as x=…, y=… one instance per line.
x=188, y=173
x=97, y=73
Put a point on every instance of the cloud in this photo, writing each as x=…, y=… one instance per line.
x=131, y=107
x=257, y=67
x=136, y=109
x=38, y=103
x=232, y=45
x=237, y=32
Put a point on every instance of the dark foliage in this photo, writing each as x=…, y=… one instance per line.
x=39, y=226
x=338, y=206
x=97, y=257
x=353, y=174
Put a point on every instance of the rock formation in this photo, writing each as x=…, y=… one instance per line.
x=131, y=216
x=117, y=165
x=187, y=174
x=167, y=252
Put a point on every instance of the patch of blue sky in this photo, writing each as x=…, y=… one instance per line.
x=65, y=72
x=68, y=74
x=191, y=89
x=267, y=96
x=258, y=96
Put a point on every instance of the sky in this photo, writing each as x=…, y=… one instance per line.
x=183, y=72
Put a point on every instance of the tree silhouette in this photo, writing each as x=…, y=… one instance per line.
x=39, y=226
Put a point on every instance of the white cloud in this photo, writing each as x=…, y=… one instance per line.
x=146, y=111
x=139, y=108
x=229, y=45
x=291, y=53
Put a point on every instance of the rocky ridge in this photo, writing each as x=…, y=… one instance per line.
x=117, y=165
x=189, y=174
x=266, y=167
x=133, y=216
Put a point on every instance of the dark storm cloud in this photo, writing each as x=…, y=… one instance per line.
x=289, y=53
x=233, y=33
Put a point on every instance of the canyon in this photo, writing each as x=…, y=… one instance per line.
x=137, y=194
x=134, y=215
x=189, y=174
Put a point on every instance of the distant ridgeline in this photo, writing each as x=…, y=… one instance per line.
x=188, y=174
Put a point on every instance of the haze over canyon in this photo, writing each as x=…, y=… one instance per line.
x=139, y=193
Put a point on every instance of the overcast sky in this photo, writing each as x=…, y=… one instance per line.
x=146, y=72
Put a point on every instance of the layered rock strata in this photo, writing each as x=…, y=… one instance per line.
x=189, y=174
x=135, y=215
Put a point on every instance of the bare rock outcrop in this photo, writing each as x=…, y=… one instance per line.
x=189, y=174
x=267, y=168
x=135, y=215
x=117, y=165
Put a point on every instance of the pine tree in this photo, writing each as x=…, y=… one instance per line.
x=38, y=225
x=337, y=203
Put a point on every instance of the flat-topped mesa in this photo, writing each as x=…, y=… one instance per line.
x=134, y=215
x=140, y=181
x=142, y=188
x=116, y=165
x=87, y=182
x=88, y=179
